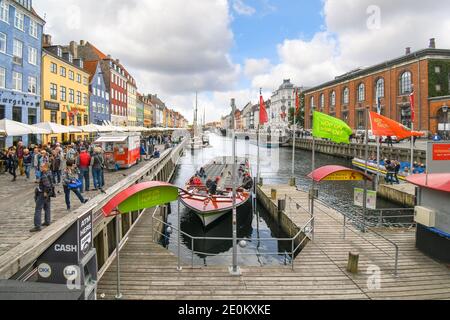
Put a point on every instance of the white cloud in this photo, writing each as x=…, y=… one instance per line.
x=241, y=8
x=254, y=67
x=354, y=36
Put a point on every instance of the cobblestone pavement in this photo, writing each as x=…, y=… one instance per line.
x=17, y=205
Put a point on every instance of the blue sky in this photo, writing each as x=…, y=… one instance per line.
x=257, y=35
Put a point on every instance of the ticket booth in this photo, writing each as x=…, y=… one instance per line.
x=72, y=260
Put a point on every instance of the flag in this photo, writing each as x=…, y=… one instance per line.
x=331, y=128
x=413, y=107
x=297, y=102
x=382, y=126
x=263, y=117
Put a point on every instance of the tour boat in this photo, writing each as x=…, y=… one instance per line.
x=210, y=208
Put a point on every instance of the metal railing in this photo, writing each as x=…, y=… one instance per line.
x=296, y=242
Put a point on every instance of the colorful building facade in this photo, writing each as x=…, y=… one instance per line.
x=132, y=100
x=99, y=104
x=20, y=65
x=65, y=92
x=139, y=110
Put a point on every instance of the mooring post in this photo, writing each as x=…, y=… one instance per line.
x=119, y=294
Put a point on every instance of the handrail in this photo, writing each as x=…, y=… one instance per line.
x=292, y=253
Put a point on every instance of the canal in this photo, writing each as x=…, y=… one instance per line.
x=253, y=223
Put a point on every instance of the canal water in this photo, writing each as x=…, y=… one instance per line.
x=254, y=224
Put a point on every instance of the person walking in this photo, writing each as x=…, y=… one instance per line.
x=84, y=163
x=43, y=195
x=97, y=164
x=12, y=163
x=36, y=161
x=20, y=149
x=72, y=184
x=397, y=169
x=390, y=142
x=27, y=162
x=55, y=166
x=71, y=154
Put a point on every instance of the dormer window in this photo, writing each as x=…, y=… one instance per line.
x=70, y=58
x=59, y=52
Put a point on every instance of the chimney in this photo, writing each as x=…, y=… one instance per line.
x=73, y=48
x=408, y=50
x=432, y=43
x=47, y=40
x=82, y=43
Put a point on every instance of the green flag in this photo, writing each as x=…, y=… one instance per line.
x=331, y=128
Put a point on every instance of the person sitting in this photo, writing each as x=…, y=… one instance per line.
x=247, y=183
x=197, y=181
x=208, y=183
x=156, y=154
x=213, y=187
x=202, y=172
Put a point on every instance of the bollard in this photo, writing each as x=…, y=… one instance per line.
x=281, y=209
x=292, y=182
x=273, y=194
x=353, y=262
x=261, y=182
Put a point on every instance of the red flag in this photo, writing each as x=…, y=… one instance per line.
x=382, y=126
x=297, y=102
x=263, y=117
x=413, y=107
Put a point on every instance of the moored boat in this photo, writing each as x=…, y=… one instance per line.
x=211, y=203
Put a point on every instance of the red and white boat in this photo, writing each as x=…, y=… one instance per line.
x=210, y=208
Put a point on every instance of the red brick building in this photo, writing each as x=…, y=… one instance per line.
x=427, y=71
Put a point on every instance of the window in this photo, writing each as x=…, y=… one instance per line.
x=94, y=106
x=32, y=56
x=99, y=81
x=346, y=96
x=53, y=91
x=360, y=119
x=54, y=116
x=18, y=48
x=405, y=83
x=78, y=97
x=437, y=69
x=78, y=78
x=85, y=81
x=438, y=88
x=63, y=72
x=53, y=68
x=333, y=99
x=322, y=101
x=63, y=94
x=71, y=96
x=18, y=20
x=85, y=99
x=361, y=92
x=4, y=11
x=33, y=29
x=3, y=42
x=379, y=89
x=17, y=81
x=32, y=85
x=2, y=77
x=71, y=75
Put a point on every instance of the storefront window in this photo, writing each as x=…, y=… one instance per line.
x=17, y=114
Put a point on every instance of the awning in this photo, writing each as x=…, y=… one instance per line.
x=55, y=128
x=13, y=128
x=438, y=181
x=111, y=139
x=337, y=173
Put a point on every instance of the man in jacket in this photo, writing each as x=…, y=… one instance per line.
x=20, y=149
x=84, y=163
x=43, y=196
x=97, y=164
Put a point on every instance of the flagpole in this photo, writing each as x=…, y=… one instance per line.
x=366, y=172
x=312, y=192
x=413, y=117
x=293, y=182
x=378, y=150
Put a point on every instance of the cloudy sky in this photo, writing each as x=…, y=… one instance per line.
x=230, y=49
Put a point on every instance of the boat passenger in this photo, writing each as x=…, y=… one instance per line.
x=213, y=187
x=202, y=172
x=208, y=183
x=197, y=181
x=247, y=183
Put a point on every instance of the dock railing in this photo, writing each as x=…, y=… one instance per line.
x=296, y=242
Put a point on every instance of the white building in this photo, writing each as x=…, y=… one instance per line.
x=282, y=100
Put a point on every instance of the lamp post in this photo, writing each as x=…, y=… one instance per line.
x=445, y=111
x=234, y=270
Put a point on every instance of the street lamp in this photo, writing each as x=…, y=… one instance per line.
x=445, y=111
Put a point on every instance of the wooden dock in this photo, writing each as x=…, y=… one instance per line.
x=149, y=271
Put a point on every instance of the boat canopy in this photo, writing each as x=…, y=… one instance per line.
x=337, y=173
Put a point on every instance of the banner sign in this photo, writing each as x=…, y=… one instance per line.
x=441, y=152
x=371, y=202
x=438, y=157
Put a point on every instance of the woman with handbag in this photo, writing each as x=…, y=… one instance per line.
x=72, y=183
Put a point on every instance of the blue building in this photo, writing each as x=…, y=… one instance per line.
x=99, y=111
x=20, y=65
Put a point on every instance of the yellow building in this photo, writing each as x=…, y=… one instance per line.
x=65, y=92
x=131, y=101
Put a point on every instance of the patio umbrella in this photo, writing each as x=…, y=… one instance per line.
x=13, y=128
x=55, y=128
x=93, y=128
